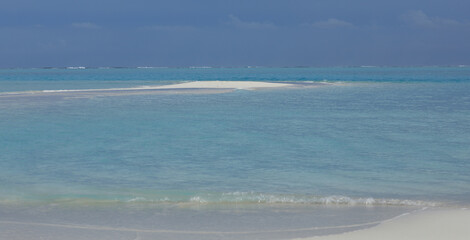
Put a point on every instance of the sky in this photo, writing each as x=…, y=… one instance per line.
x=276, y=33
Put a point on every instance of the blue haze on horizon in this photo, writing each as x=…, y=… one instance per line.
x=233, y=33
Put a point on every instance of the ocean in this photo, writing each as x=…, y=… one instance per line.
x=366, y=144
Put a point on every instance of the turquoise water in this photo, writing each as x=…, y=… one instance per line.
x=377, y=136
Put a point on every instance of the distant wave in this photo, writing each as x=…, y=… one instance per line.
x=147, y=67
x=78, y=67
x=200, y=67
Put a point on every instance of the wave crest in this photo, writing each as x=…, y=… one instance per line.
x=262, y=198
x=223, y=198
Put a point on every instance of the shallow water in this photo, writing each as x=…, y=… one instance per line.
x=392, y=138
x=170, y=221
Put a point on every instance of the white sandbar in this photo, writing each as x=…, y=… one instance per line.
x=425, y=225
x=248, y=85
x=187, y=87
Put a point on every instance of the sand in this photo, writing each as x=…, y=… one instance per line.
x=57, y=223
x=426, y=225
x=247, y=85
x=198, y=87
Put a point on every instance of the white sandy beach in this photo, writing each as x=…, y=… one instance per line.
x=423, y=225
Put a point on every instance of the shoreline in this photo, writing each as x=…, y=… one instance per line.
x=235, y=222
x=429, y=224
x=177, y=222
x=201, y=222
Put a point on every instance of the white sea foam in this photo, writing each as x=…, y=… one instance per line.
x=78, y=67
x=197, y=199
x=149, y=67
x=263, y=198
x=322, y=200
x=242, y=198
x=200, y=67
x=137, y=199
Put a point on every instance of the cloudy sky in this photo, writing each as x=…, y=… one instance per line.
x=95, y=33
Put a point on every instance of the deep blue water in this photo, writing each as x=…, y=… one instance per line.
x=383, y=136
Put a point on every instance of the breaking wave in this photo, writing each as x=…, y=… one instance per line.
x=261, y=198
x=229, y=198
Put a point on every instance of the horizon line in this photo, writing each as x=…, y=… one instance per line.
x=80, y=67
